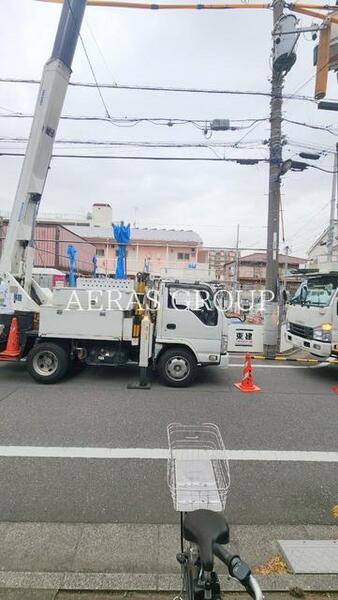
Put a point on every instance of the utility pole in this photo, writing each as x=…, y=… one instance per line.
x=1, y=234
x=334, y=200
x=335, y=227
x=271, y=315
x=235, y=285
x=286, y=266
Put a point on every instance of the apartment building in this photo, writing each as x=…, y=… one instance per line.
x=252, y=269
x=218, y=258
x=162, y=252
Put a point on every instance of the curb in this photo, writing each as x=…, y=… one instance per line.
x=150, y=582
x=301, y=360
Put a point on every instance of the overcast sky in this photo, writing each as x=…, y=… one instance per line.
x=224, y=50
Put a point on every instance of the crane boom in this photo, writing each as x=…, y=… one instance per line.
x=18, y=253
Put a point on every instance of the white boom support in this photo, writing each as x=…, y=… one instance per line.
x=17, y=259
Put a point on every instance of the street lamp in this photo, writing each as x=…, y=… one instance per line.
x=293, y=165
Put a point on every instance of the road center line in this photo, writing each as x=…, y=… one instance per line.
x=163, y=454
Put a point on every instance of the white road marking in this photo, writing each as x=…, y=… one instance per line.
x=283, y=366
x=163, y=454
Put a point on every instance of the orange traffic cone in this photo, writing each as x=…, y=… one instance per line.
x=13, y=343
x=335, y=389
x=247, y=384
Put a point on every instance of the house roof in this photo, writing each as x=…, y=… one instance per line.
x=138, y=234
x=260, y=257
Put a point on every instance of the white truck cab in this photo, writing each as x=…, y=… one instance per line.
x=188, y=316
x=312, y=314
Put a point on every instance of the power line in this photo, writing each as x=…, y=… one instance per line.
x=90, y=65
x=243, y=161
x=175, y=89
x=164, y=121
x=309, y=218
x=164, y=145
x=310, y=79
x=321, y=128
x=169, y=121
x=45, y=251
x=251, y=129
x=321, y=169
x=253, y=144
x=99, y=48
x=308, y=146
x=12, y=113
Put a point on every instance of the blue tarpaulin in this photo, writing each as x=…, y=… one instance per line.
x=122, y=236
x=71, y=253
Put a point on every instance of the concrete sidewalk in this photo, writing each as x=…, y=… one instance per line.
x=50, y=556
x=69, y=595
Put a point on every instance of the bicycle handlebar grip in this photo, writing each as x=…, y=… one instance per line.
x=240, y=571
x=223, y=554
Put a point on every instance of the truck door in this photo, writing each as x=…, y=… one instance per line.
x=189, y=316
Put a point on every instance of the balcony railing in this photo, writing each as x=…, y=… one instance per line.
x=171, y=269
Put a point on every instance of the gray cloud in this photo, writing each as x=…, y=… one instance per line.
x=205, y=49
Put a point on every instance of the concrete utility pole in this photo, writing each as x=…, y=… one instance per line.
x=271, y=316
x=236, y=264
x=334, y=200
x=286, y=266
x=285, y=34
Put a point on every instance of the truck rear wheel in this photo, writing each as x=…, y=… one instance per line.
x=48, y=362
x=177, y=367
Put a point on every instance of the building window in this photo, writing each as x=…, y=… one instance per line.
x=183, y=256
x=99, y=252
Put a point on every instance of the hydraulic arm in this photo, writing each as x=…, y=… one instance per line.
x=16, y=263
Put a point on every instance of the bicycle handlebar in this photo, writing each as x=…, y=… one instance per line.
x=240, y=571
x=223, y=554
x=254, y=589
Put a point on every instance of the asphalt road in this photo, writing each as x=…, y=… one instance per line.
x=296, y=410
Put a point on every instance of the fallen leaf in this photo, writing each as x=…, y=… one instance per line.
x=274, y=566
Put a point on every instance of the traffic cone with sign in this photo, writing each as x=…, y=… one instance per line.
x=247, y=384
x=13, y=343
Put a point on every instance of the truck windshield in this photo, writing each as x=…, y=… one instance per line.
x=316, y=291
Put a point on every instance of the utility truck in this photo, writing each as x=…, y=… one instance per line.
x=312, y=314
x=171, y=326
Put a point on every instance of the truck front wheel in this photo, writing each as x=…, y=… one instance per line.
x=177, y=367
x=48, y=362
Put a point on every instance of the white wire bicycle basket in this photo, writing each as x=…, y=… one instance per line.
x=198, y=470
